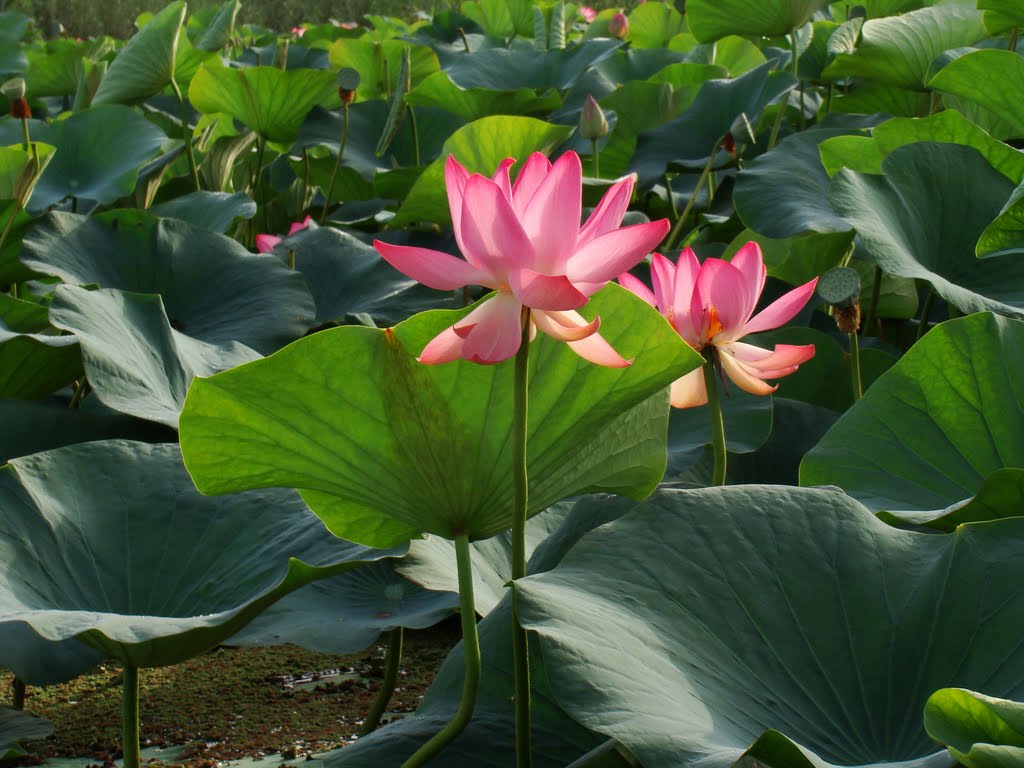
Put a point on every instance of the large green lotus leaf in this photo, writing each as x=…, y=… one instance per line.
x=899, y=50
x=470, y=104
x=98, y=155
x=431, y=560
x=489, y=740
x=213, y=211
x=213, y=289
x=710, y=20
x=652, y=26
x=506, y=69
x=12, y=57
x=111, y=543
x=53, y=68
x=218, y=32
x=930, y=430
x=865, y=154
x=870, y=97
x=989, y=78
x=1006, y=234
x=145, y=65
x=689, y=139
x=35, y=364
x=500, y=18
x=135, y=361
x=1001, y=495
x=428, y=446
x=18, y=726
x=790, y=619
x=923, y=218
x=1002, y=15
x=38, y=661
x=794, y=165
x=34, y=426
x=348, y=277
x=347, y=613
x=379, y=63
x=271, y=101
x=480, y=147
x=979, y=731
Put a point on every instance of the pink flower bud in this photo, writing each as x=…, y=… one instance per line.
x=588, y=13
x=618, y=26
x=593, y=124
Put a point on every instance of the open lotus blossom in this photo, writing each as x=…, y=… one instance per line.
x=524, y=240
x=267, y=243
x=710, y=305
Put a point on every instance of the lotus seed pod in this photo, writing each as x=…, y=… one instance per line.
x=618, y=27
x=14, y=88
x=840, y=287
x=593, y=124
x=348, y=82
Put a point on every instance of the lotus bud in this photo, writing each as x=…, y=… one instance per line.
x=348, y=82
x=618, y=26
x=729, y=145
x=593, y=124
x=14, y=89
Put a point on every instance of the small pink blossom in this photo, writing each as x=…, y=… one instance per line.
x=524, y=241
x=710, y=305
x=588, y=13
x=618, y=26
x=267, y=243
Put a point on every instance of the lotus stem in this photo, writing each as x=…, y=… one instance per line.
x=130, y=717
x=18, y=689
x=717, y=424
x=26, y=140
x=415, y=136
x=471, y=651
x=876, y=292
x=596, y=155
x=337, y=163
x=520, y=496
x=858, y=390
x=673, y=236
x=1012, y=45
x=922, y=324
x=186, y=131
x=387, y=688
x=261, y=148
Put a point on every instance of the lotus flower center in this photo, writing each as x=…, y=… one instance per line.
x=712, y=325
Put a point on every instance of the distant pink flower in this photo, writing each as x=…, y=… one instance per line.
x=346, y=24
x=266, y=243
x=298, y=31
x=524, y=240
x=711, y=304
x=588, y=13
x=618, y=26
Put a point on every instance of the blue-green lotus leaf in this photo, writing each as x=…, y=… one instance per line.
x=789, y=625
x=213, y=289
x=347, y=613
x=110, y=543
x=18, y=726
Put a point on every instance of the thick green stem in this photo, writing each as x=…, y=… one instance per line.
x=717, y=424
x=415, y=136
x=261, y=191
x=922, y=325
x=18, y=689
x=1012, y=46
x=387, y=688
x=596, y=155
x=471, y=650
x=858, y=390
x=337, y=163
x=26, y=140
x=678, y=228
x=876, y=292
x=186, y=131
x=520, y=495
x=130, y=717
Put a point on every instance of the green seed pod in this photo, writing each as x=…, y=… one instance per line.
x=840, y=287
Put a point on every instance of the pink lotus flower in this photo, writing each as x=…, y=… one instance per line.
x=588, y=13
x=710, y=305
x=267, y=243
x=524, y=240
